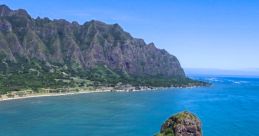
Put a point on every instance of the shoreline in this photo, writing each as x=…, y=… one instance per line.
x=37, y=95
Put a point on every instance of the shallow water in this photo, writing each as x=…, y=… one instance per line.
x=228, y=108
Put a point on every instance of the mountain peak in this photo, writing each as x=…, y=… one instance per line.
x=22, y=12
x=4, y=7
x=4, y=10
x=96, y=22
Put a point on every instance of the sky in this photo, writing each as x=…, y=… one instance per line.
x=218, y=34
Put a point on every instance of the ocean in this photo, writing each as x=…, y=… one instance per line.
x=228, y=108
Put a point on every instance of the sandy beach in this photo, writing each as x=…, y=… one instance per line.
x=15, y=94
x=35, y=95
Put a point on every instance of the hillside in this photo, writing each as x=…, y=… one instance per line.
x=38, y=53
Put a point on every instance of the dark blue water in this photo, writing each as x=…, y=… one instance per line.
x=229, y=108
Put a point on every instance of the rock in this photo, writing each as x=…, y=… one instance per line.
x=181, y=124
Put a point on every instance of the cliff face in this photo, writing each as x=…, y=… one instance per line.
x=61, y=43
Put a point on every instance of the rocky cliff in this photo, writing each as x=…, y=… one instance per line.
x=59, y=42
x=181, y=124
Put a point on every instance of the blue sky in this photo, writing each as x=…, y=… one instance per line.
x=222, y=34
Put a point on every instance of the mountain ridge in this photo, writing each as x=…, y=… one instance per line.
x=56, y=46
x=97, y=35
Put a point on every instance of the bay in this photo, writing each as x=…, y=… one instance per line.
x=229, y=107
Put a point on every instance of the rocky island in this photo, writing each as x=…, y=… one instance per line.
x=40, y=55
x=181, y=124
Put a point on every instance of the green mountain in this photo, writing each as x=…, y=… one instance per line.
x=38, y=53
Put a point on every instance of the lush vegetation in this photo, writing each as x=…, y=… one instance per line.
x=34, y=75
x=15, y=77
x=168, y=132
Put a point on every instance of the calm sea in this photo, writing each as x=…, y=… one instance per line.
x=230, y=107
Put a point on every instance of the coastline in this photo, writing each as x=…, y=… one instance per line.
x=81, y=91
x=36, y=95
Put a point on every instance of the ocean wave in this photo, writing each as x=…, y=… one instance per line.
x=213, y=79
x=239, y=82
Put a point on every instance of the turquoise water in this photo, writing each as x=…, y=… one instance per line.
x=228, y=108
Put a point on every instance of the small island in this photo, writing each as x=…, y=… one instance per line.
x=181, y=124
